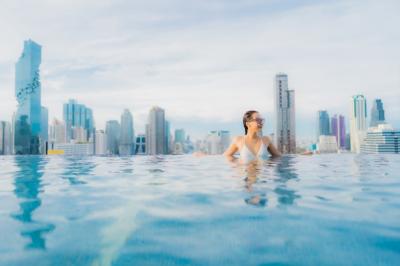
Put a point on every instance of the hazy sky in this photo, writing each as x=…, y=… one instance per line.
x=205, y=62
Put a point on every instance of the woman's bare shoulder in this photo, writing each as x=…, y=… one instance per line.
x=267, y=140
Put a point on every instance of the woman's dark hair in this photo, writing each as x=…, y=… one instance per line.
x=246, y=118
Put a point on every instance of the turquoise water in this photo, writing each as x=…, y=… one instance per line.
x=182, y=210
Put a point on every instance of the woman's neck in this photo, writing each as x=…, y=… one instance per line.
x=252, y=134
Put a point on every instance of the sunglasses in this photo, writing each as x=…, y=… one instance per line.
x=258, y=120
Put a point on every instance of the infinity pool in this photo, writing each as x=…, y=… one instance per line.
x=182, y=210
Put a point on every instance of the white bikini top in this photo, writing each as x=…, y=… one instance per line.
x=247, y=156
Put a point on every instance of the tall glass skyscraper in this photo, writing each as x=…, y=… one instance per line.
x=358, y=122
x=285, y=120
x=113, y=132
x=323, y=124
x=156, y=132
x=77, y=115
x=127, y=136
x=377, y=113
x=167, y=137
x=27, y=123
x=338, y=129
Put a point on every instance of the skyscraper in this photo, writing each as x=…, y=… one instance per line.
x=58, y=132
x=323, y=128
x=44, y=132
x=377, y=113
x=127, y=136
x=285, y=121
x=140, y=144
x=156, y=132
x=5, y=138
x=179, y=135
x=338, y=129
x=358, y=121
x=100, y=147
x=217, y=141
x=167, y=137
x=113, y=132
x=77, y=115
x=28, y=117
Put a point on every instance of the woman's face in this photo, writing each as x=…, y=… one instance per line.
x=255, y=123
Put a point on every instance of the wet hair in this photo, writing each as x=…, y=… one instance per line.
x=246, y=118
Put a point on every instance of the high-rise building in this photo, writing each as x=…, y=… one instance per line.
x=381, y=139
x=58, y=132
x=327, y=144
x=168, y=138
x=127, y=136
x=188, y=145
x=285, y=120
x=377, y=113
x=28, y=118
x=217, y=141
x=179, y=136
x=338, y=129
x=5, y=138
x=79, y=135
x=140, y=145
x=100, y=147
x=78, y=115
x=358, y=122
x=44, y=132
x=156, y=132
x=113, y=132
x=323, y=122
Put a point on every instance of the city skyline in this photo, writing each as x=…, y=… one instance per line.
x=155, y=62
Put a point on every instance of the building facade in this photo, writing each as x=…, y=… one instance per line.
x=217, y=141
x=28, y=117
x=77, y=115
x=323, y=122
x=285, y=121
x=100, y=145
x=6, y=143
x=338, y=129
x=381, y=139
x=358, y=122
x=377, y=113
x=58, y=132
x=113, y=132
x=127, y=137
x=156, y=132
x=140, y=145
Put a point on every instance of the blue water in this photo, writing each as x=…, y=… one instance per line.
x=182, y=210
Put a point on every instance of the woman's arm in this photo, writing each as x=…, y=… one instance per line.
x=232, y=149
x=271, y=148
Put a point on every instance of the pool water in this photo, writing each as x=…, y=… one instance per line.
x=337, y=209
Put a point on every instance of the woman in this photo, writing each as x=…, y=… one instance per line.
x=251, y=145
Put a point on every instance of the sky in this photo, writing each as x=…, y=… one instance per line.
x=205, y=62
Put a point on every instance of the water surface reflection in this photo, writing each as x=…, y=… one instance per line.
x=28, y=187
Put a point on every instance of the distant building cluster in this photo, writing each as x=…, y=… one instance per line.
x=216, y=142
x=375, y=137
x=76, y=133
